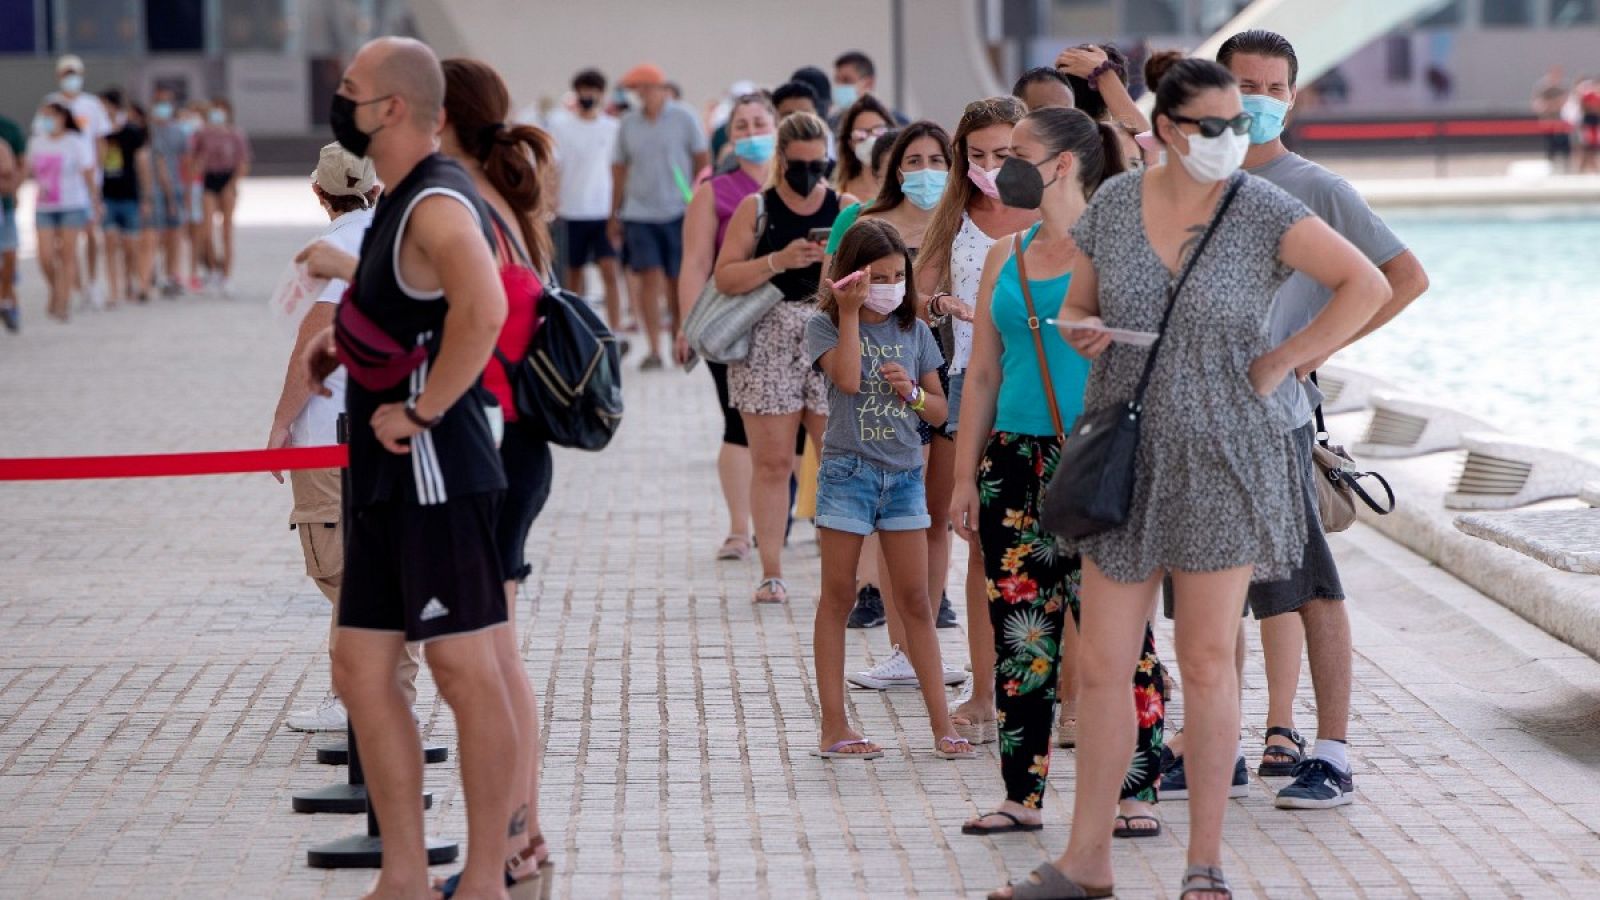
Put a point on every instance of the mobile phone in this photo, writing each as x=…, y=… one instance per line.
x=819, y=235
x=846, y=281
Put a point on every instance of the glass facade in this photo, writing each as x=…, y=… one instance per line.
x=175, y=26
x=1507, y=13
x=1564, y=13
x=98, y=26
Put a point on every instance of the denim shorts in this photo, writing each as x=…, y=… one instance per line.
x=857, y=497
x=61, y=218
x=958, y=381
x=8, y=230
x=162, y=215
x=122, y=215
x=654, y=245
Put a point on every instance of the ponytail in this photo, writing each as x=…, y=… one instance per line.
x=1113, y=161
x=517, y=160
x=1095, y=145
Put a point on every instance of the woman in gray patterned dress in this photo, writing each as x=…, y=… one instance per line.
x=1213, y=504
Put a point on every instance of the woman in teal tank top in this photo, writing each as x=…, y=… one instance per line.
x=1006, y=452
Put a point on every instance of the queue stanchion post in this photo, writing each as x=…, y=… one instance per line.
x=338, y=754
x=365, y=851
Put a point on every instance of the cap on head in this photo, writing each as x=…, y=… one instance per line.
x=341, y=173
x=644, y=75
x=69, y=63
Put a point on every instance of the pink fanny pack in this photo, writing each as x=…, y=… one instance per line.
x=372, y=357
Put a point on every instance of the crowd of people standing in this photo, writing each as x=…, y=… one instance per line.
x=946, y=316
x=142, y=192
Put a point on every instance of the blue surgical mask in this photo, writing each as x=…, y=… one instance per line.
x=924, y=187
x=72, y=84
x=217, y=117
x=757, y=148
x=844, y=95
x=162, y=110
x=44, y=125
x=1268, y=114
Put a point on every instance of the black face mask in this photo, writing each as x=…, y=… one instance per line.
x=1020, y=185
x=342, y=118
x=586, y=102
x=801, y=177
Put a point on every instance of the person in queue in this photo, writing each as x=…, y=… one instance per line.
x=1267, y=68
x=91, y=125
x=222, y=153
x=346, y=186
x=1043, y=87
x=775, y=389
x=1213, y=511
x=753, y=131
x=63, y=169
x=585, y=142
x=821, y=89
x=512, y=167
x=882, y=367
x=1017, y=408
x=915, y=172
x=966, y=222
x=1099, y=79
x=421, y=561
x=125, y=189
x=793, y=97
x=860, y=126
x=660, y=145
x=13, y=169
x=168, y=145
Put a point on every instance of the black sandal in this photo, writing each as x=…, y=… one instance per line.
x=1015, y=826
x=1278, y=762
x=1205, y=880
x=1126, y=829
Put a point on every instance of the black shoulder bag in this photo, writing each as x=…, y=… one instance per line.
x=1092, y=490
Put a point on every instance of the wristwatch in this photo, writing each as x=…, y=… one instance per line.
x=416, y=417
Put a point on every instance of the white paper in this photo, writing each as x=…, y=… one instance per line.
x=1119, y=335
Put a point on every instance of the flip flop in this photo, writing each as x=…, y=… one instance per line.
x=775, y=589
x=1126, y=829
x=954, y=741
x=735, y=547
x=837, y=751
x=1047, y=883
x=1016, y=825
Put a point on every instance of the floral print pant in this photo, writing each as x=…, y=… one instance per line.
x=1031, y=587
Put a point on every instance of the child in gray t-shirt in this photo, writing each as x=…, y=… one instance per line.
x=882, y=365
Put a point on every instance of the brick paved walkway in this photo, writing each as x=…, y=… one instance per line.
x=158, y=631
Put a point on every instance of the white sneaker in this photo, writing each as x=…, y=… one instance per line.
x=954, y=676
x=328, y=715
x=896, y=672
x=97, y=296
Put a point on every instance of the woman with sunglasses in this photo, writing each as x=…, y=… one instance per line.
x=1211, y=506
x=859, y=128
x=753, y=135
x=776, y=390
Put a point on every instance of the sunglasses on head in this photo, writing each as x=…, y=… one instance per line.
x=1214, y=126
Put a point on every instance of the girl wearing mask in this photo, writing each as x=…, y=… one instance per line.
x=963, y=226
x=881, y=364
x=64, y=168
x=775, y=389
x=753, y=135
x=1016, y=408
x=861, y=125
x=222, y=154
x=511, y=166
x=1210, y=504
x=916, y=170
x=191, y=120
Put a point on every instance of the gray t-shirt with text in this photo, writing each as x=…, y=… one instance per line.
x=874, y=424
x=659, y=154
x=1301, y=299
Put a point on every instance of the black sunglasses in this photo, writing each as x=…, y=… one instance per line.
x=1214, y=126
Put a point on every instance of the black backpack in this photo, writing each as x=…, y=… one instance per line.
x=568, y=386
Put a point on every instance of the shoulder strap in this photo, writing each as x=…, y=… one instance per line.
x=1038, y=339
x=503, y=233
x=761, y=212
x=1183, y=278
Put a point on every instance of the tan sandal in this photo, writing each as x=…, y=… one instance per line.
x=734, y=547
x=772, y=590
x=1067, y=727
x=976, y=731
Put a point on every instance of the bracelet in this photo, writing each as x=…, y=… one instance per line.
x=919, y=399
x=770, y=265
x=1101, y=69
x=933, y=302
x=416, y=417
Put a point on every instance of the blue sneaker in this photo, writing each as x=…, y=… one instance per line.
x=1318, y=784
x=868, y=612
x=947, y=614
x=12, y=318
x=1175, y=784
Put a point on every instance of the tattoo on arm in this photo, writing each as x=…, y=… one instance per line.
x=519, y=822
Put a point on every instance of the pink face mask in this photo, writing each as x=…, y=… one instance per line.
x=1147, y=141
x=984, y=180
x=884, y=299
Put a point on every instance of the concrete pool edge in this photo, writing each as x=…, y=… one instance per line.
x=1565, y=605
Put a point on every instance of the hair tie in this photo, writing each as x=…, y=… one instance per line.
x=488, y=135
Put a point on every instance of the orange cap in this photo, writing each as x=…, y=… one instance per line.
x=644, y=75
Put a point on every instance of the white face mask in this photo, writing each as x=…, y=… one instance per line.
x=1214, y=159
x=864, y=150
x=884, y=299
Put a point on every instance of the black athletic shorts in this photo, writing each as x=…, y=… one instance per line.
x=216, y=182
x=587, y=242
x=427, y=571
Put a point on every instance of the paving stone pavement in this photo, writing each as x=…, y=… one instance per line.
x=158, y=631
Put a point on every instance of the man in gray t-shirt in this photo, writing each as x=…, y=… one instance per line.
x=1266, y=67
x=660, y=150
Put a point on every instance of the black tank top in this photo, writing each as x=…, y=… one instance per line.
x=457, y=457
x=783, y=226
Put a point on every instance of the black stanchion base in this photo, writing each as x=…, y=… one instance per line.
x=339, y=754
x=360, y=851
x=342, y=798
